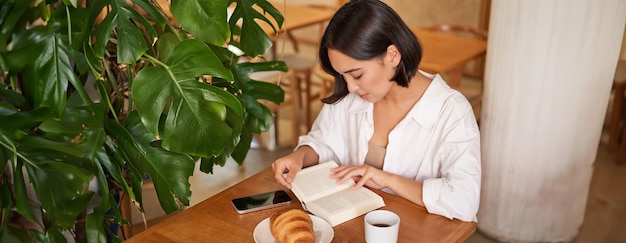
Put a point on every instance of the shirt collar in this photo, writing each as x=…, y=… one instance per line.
x=426, y=110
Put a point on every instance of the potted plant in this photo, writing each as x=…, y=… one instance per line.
x=120, y=98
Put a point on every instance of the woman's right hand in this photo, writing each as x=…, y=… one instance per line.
x=290, y=164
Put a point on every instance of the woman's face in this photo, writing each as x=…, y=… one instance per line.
x=370, y=79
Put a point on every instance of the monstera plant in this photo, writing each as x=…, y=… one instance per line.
x=112, y=92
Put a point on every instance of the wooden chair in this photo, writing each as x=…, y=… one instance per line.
x=325, y=86
x=327, y=82
x=301, y=64
x=473, y=95
x=289, y=83
x=304, y=65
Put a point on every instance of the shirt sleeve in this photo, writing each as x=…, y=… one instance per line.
x=322, y=131
x=456, y=192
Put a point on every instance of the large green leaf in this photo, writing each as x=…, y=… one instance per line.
x=76, y=20
x=50, y=71
x=169, y=171
x=152, y=11
x=81, y=125
x=102, y=34
x=259, y=89
x=204, y=19
x=53, y=158
x=25, y=119
x=241, y=150
x=61, y=190
x=22, y=203
x=10, y=13
x=122, y=141
x=95, y=221
x=114, y=170
x=180, y=117
x=254, y=41
x=259, y=116
x=131, y=42
x=236, y=123
x=65, y=148
x=94, y=49
x=196, y=111
x=15, y=99
x=166, y=44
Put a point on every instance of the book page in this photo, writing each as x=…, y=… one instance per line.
x=345, y=205
x=314, y=182
x=333, y=204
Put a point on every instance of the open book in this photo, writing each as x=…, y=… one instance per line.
x=321, y=195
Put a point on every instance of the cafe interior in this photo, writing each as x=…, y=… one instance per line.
x=468, y=21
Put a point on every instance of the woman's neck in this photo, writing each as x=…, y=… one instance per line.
x=399, y=96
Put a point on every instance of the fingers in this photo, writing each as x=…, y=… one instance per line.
x=360, y=183
x=340, y=174
x=278, y=175
x=291, y=175
x=343, y=173
x=363, y=175
x=279, y=169
x=288, y=166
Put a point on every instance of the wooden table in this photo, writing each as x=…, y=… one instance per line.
x=296, y=16
x=446, y=53
x=215, y=219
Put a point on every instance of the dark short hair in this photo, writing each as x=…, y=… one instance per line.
x=363, y=29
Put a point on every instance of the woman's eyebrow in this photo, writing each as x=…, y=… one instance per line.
x=351, y=70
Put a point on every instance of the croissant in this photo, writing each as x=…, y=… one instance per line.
x=292, y=226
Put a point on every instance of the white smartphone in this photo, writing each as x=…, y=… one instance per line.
x=261, y=201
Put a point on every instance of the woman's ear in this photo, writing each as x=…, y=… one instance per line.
x=393, y=55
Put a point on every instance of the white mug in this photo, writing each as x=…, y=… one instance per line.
x=381, y=226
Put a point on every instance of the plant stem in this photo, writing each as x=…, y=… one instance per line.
x=155, y=60
x=69, y=24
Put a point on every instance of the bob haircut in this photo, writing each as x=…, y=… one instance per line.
x=363, y=29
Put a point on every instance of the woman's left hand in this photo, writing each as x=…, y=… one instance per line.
x=364, y=175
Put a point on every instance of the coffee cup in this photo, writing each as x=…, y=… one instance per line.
x=381, y=226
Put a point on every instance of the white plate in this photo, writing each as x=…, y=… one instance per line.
x=324, y=233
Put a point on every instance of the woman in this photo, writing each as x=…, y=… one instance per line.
x=388, y=125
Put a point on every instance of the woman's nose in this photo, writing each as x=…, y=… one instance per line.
x=352, y=87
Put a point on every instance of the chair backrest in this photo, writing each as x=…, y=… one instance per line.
x=474, y=68
x=462, y=30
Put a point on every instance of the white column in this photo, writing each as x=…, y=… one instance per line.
x=548, y=78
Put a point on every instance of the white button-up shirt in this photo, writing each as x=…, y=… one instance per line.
x=437, y=143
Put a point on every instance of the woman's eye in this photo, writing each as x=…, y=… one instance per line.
x=358, y=77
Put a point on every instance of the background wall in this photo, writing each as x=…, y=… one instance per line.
x=417, y=13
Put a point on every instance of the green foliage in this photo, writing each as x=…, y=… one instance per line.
x=118, y=98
